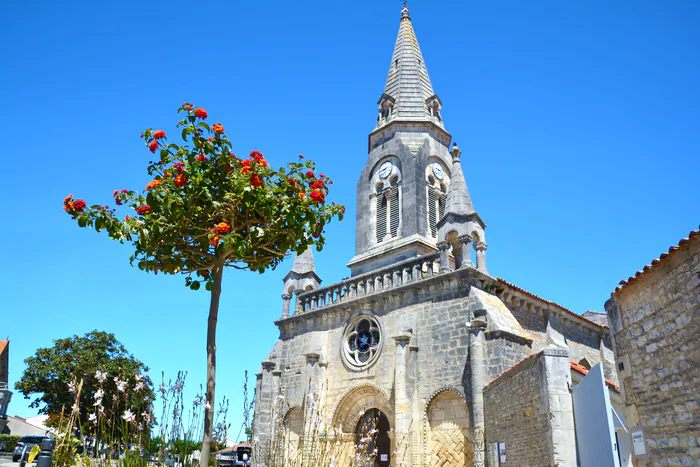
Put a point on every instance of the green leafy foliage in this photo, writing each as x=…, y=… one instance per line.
x=8, y=442
x=206, y=208
x=52, y=373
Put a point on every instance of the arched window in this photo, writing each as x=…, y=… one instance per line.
x=387, y=201
x=436, y=186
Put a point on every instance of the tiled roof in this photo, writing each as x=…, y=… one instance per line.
x=3, y=346
x=566, y=310
x=693, y=236
x=510, y=369
x=582, y=370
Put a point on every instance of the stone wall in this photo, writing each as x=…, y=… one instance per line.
x=515, y=415
x=655, y=320
x=4, y=362
x=529, y=408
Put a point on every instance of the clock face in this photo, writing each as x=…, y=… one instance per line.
x=437, y=170
x=385, y=169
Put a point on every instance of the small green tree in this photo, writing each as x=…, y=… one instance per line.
x=102, y=363
x=206, y=210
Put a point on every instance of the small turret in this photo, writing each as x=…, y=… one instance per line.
x=300, y=279
x=460, y=224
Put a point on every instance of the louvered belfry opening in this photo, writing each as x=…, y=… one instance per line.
x=381, y=217
x=388, y=212
x=432, y=212
x=394, y=202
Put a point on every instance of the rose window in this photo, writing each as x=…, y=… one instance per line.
x=362, y=341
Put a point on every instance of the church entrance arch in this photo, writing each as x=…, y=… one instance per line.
x=448, y=430
x=372, y=431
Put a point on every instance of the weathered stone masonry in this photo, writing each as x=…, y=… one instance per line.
x=655, y=321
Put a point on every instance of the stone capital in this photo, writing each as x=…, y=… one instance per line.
x=443, y=246
x=465, y=239
x=479, y=324
x=413, y=348
x=268, y=365
x=312, y=358
x=480, y=246
x=402, y=339
x=277, y=373
x=286, y=296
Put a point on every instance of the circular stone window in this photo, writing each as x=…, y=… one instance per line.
x=362, y=342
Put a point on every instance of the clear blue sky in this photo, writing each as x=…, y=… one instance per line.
x=578, y=123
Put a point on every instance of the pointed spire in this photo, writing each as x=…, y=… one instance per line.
x=408, y=91
x=458, y=200
x=304, y=263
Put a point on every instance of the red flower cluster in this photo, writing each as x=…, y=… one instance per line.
x=214, y=240
x=217, y=128
x=201, y=113
x=310, y=174
x=187, y=106
x=259, y=158
x=318, y=185
x=143, y=209
x=318, y=196
x=180, y=180
x=154, y=184
x=222, y=228
x=159, y=134
x=69, y=204
x=256, y=181
x=201, y=157
x=153, y=146
x=79, y=205
x=116, y=196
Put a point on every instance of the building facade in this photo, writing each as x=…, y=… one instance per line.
x=655, y=322
x=421, y=336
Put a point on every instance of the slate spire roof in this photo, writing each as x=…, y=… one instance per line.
x=458, y=200
x=304, y=263
x=408, y=85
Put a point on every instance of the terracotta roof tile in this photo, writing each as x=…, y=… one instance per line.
x=581, y=369
x=566, y=310
x=693, y=236
x=510, y=369
x=3, y=346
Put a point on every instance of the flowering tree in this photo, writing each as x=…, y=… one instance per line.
x=206, y=209
x=102, y=363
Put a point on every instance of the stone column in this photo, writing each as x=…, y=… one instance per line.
x=561, y=412
x=480, y=248
x=477, y=361
x=286, y=301
x=266, y=398
x=465, y=240
x=276, y=402
x=298, y=301
x=402, y=401
x=311, y=394
x=444, y=248
x=416, y=447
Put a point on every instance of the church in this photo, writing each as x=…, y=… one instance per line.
x=455, y=366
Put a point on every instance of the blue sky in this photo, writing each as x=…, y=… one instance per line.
x=578, y=123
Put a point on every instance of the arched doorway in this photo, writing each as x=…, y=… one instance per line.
x=374, y=428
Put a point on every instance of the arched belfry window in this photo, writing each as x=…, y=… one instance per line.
x=437, y=181
x=387, y=200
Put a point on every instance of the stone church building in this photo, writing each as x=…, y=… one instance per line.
x=459, y=368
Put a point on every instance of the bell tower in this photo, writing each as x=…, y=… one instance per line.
x=402, y=190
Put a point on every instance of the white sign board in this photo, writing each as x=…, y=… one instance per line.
x=638, y=442
x=383, y=457
x=502, y=452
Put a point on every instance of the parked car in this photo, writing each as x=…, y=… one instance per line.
x=26, y=442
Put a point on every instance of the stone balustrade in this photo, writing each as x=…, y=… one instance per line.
x=396, y=275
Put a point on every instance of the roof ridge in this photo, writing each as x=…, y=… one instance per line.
x=693, y=236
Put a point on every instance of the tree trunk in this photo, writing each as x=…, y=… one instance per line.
x=211, y=366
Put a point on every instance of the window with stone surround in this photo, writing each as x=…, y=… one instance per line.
x=362, y=342
x=437, y=182
x=386, y=200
